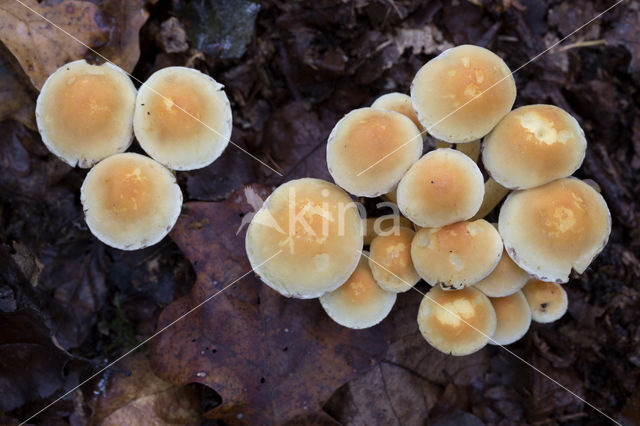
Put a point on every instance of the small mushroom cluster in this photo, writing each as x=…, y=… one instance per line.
x=88, y=114
x=489, y=281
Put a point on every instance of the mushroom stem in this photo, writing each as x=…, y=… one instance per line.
x=493, y=194
x=443, y=144
x=470, y=149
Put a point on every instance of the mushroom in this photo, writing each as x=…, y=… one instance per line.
x=456, y=322
x=306, y=238
x=370, y=149
x=359, y=302
x=375, y=226
x=84, y=112
x=398, y=102
x=441, y=188
x=457, y=255
x=461, y=94
x=533, y=145
x=182, y=118
x=130, y=201
x=390, y=260
x=547, y=301
x=506, y=279
x=514, y=318
x=550, y=229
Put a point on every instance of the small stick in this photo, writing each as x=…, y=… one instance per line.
x=443, y=144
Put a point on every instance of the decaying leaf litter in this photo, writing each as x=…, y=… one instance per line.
x=292, y=70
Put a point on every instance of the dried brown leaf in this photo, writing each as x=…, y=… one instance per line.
x=130, y=394
x=271, y=359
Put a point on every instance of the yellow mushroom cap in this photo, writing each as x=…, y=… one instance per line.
x=398, y=102
x=443, y=187
x=457, y=255
x=552, y=228
x=359, y=302
x=506, y=279
x=306, y=238
x=130, y=201
x=370, y=149
x=461, y=94
x=374, y=226
x=548, y=301
x=456, y=322
x=533, y=145
x=514, y=318
x=85, y=112
x=390, y=260
x=182, y=118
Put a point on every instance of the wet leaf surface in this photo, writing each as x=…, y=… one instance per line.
x=131, y=395
x=271, y=359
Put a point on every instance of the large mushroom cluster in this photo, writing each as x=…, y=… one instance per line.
x=489, y=281
x=88, y=114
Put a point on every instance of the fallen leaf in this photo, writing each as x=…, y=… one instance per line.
x=38, y=45
x=427, y=40
x=111, y=28
x=17, y=100
x=25, y=346
x=271, y=359
x=125, y=18
x=130, y=394
x=220, y=28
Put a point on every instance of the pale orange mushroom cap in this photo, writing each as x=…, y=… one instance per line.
x=456, y=322
x=85, y=112
x=507, y=278
x=461, y=94
x=443, y=187
x=390, y=260
x=457, y=255
x=306, y=238
x=533, y=145
x=514, y=318
x=130, y=201
x=550, y=229
x=370, y=149
x=548, y=301
x=360, y=302
x=182, y=118
x=398, y=102
x=374, y=226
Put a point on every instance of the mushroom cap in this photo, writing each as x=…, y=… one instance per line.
x=398, y=102
x=548, y=301
x=130, y=201
x=359, y=302
x=370, y=149
x=375, y=226
x=457, y=255
x=533, y=145
x=514, y=318
x=456, y=322
x=506, y=279
x=85, y=112
x=306, y=238
x=461, y=94
x=549, y=229
x=443, y=187
x=182, y=118
x=390, y=260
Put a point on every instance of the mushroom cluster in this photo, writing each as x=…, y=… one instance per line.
x=488, y=281
x=87, y=116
